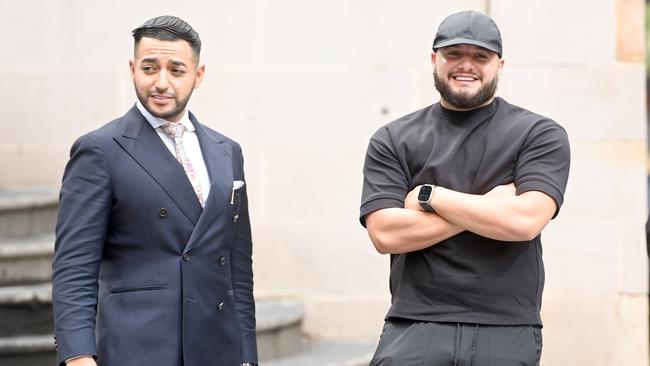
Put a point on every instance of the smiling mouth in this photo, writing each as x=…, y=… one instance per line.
x=465, y=77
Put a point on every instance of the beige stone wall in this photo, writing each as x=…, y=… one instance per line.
x=581, y=66
x=303, y=84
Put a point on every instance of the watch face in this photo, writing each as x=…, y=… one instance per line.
x=425, y=193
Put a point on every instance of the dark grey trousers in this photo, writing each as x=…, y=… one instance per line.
x=413, y=343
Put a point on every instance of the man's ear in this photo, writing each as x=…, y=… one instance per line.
x=500, y=67
x=433, y=60
x=132, y=68
x=200, y=72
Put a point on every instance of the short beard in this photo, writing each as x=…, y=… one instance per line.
x=180, y=107
x=463, y=100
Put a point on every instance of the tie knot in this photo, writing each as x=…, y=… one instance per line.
x=174, y=130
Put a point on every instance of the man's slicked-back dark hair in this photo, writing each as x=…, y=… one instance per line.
x=168, y=28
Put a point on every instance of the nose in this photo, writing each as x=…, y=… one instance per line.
x=466, y=64
x=162, y=83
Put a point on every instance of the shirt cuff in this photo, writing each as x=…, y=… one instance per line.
x=75, y=357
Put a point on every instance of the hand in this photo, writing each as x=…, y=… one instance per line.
x=82, y=361
x=411, y=200
x=505, y=190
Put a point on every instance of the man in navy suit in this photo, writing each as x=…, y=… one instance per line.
x=152, y=262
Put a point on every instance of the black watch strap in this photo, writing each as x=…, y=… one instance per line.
x=426, y=206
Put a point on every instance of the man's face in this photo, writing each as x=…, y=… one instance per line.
x=466, y=76
x=164, y=74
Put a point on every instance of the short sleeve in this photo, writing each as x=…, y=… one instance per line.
x=385, y=182
x=543, y=163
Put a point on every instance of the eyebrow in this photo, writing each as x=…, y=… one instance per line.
x=451, y=49
x=178, y=63
x=154, y=60
x=151, y=60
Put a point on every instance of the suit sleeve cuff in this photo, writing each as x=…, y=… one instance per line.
x=75, y=357
x=74, y=344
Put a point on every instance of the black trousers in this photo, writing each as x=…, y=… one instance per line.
x=413, y=343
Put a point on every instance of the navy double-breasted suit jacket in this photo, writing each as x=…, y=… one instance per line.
x=142, y=274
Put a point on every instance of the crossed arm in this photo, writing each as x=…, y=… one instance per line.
x=499, y=214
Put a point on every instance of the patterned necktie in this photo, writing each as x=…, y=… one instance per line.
x=175, y=132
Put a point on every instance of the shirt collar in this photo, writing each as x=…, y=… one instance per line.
x=156, y=122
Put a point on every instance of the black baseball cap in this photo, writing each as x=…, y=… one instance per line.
x=469, y=27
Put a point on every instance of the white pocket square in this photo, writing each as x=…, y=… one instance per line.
x=236, y=184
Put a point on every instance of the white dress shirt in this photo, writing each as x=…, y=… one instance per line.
x=190, y=144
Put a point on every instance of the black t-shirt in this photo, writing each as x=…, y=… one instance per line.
x=467, y=278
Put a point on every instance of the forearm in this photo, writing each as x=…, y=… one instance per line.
x=401, y=230
x=242, y=277
x=82, y=222
x=242, y=283
x=245, y=307
x=506, y=218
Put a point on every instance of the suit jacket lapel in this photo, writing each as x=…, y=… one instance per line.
x=216, y=154
x=218, y=160
x=142, y=142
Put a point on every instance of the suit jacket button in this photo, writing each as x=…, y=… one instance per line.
x=186, y=257
x=162, y=213
x=222, y=261
x=220, y=307
x=235, y=218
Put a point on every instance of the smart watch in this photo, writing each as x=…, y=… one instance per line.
x=424, y=197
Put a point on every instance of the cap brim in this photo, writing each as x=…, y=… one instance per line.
x=456, y=41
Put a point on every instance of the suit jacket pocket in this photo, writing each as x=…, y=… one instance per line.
x=119, y=290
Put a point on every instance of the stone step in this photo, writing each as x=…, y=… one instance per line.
x=27, y=351
x=329, y=353
x=27, y=212
x=279, y=328
x=25, y=261
x=26, y=310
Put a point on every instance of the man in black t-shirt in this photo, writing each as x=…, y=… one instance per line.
x=458, y=194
